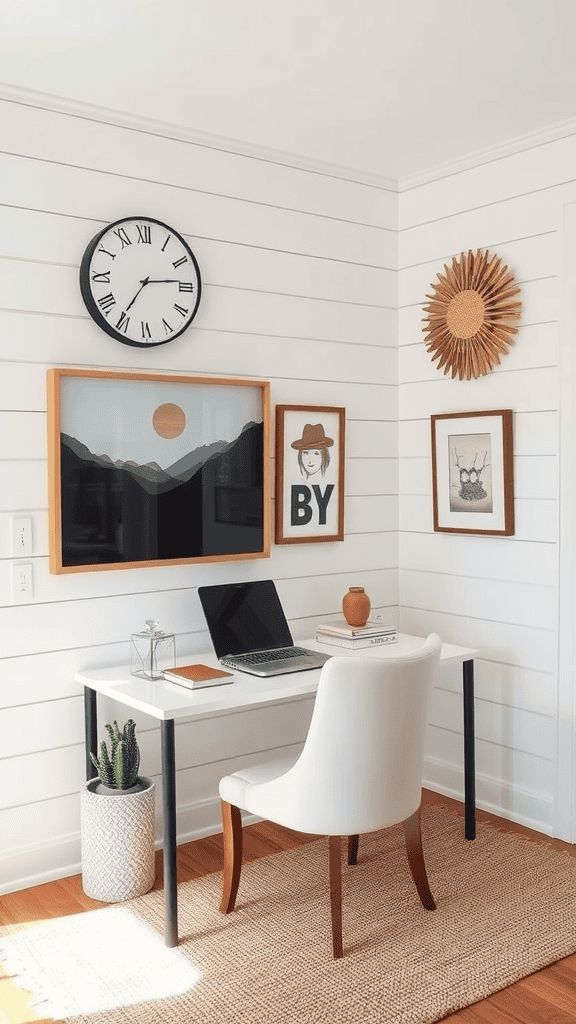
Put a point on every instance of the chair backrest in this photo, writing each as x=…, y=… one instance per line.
x=362, y=763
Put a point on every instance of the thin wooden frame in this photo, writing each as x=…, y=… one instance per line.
x=473, y=472
x=156, y=469
x=309, y=494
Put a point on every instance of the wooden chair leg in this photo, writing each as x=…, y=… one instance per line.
x=413, y=837
x=352, y=849
x=335, y=864
x=232, y=822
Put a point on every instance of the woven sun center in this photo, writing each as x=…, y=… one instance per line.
x=465, y=314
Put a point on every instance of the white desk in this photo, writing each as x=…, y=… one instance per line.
x=167, y=702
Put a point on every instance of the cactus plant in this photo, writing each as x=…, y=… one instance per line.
x=119, y=768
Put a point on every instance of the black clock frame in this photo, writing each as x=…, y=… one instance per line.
x=91, y=304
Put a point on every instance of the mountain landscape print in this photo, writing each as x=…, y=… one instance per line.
x=119, y=506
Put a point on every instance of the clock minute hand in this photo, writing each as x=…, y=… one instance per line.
x=142, y=285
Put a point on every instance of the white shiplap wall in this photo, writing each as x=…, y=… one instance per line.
x=497, y=594
x=299, y=288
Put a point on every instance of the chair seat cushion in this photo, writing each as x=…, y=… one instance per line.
x=233, y=787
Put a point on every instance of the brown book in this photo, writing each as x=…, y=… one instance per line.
x=196, y=676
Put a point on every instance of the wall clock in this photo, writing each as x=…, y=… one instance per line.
x=140, y=282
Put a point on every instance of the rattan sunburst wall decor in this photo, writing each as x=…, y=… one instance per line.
x=470, y=318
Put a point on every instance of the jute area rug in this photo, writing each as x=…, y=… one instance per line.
x=505, y=908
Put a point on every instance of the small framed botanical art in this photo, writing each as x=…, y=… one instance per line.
x=148, y=469
x=473, y=472
x=309, y=473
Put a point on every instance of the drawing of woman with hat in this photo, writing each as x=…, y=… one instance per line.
x=312, y=448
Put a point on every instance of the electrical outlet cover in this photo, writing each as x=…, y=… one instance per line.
x=22, y=583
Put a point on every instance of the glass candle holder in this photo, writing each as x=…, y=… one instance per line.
x=152, y=651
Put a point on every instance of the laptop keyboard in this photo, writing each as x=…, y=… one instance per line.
x=260, y=657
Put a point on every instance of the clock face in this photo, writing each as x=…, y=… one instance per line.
x=140, y=282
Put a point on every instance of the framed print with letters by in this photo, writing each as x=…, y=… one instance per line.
x=149, y=469
x=310, y=443
x=473, y=472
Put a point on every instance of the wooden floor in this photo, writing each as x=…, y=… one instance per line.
x=547, y=997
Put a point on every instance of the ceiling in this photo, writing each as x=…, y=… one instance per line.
x=386, y=87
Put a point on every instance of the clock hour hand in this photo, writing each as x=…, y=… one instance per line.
x=164, y=280
x=142, y=285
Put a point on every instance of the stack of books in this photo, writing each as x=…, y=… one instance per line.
x=338, y=633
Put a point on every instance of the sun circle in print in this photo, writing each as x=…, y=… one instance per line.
x=169, y=420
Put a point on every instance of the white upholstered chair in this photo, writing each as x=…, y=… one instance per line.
x=360, y=769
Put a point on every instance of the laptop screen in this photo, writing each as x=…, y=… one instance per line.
x=244, y=617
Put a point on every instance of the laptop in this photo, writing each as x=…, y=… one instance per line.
x=249, y=630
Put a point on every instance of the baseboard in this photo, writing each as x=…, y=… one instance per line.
x=514, y=803
x=200, y=819
x=37, y=863
x=28, y=866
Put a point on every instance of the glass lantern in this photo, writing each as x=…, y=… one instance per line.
x=152, y=651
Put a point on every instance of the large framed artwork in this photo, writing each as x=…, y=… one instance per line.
x=473, y=472
x=148, y=469
x=310, y=446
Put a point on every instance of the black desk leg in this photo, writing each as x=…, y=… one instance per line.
x=469, y=765
x=90, y=730
x=169, y=808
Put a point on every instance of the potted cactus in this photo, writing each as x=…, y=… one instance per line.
x=117, y=821
x=118, y=770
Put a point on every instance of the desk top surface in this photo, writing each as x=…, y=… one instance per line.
x=164, y=700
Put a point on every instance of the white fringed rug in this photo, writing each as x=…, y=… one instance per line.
x=505, y=908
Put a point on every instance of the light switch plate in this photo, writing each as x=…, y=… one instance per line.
x=22, y=591
x=21, y=527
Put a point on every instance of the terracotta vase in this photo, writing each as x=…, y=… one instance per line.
x=356, y=606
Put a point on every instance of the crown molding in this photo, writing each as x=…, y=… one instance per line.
x=518, y=144
x=180, y=133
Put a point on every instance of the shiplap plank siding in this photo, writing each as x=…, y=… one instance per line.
x=527, y=175
x=300, y=289
x=88, y=586
x=498, y=594
x=535, y=520
x=53, y=290
x=73, y=191
x=35, y=237
x=137, y=148
x=315, y=283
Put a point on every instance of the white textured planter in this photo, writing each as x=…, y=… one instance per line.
x=117, y=842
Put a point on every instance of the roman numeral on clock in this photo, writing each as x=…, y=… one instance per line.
x=102, y=278
x=145, y=330
x=144, y=233
x=178, y=263
x=123, y=322
x=112, y=255
x=167, y=327
x=180, y=309
x=185, y=286
x=121, y=233
x=106, y=302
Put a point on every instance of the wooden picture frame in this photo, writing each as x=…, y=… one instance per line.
x=473, y=472
x=153, y=469
x=309, y=488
